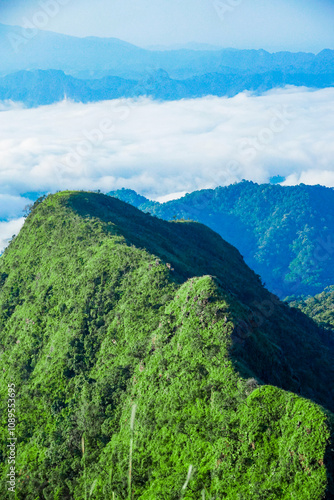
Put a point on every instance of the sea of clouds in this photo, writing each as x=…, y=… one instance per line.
x=163, y=149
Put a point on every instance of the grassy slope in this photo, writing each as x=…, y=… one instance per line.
x=93, y=321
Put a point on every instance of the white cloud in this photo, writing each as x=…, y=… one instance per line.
x=170, y=197
x=11, y=206
x=160, y=149
x=9, y=229
x=311, y=177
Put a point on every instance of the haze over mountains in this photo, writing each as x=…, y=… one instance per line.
x=91, y=56
x=48, y=66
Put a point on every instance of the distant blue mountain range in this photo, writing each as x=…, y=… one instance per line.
x=35, y=88
x=40, y=67
x=93, y=57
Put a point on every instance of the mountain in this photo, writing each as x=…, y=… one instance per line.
x=92, y=57
x=286, y=234
x=22, y=49
x=187, y=46
x=41, y=67
x=35, y=88
x=148, y=361
x=320, y=307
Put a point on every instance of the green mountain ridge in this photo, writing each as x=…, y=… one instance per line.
x=139, y=343
x=285, y=233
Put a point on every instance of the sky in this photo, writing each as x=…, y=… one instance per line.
x=273, y=25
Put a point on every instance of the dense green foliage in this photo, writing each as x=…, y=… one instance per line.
x=136, y=341
x=320, y=308
x=286, y=234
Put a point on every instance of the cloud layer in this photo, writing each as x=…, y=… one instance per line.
x=163, y=148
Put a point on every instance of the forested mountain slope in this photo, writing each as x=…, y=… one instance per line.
x=320, y=307
x=286, y=234
x=139, y=343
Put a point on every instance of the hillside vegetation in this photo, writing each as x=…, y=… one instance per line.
x=320, y=307
x=141, y=345
x=286, y=234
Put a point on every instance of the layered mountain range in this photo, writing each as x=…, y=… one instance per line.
x=31, y=49
x=35, y=88
x=40, y=67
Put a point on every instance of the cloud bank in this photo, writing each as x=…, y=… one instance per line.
x=163, y=148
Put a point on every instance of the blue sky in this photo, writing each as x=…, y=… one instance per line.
x=272, y=25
